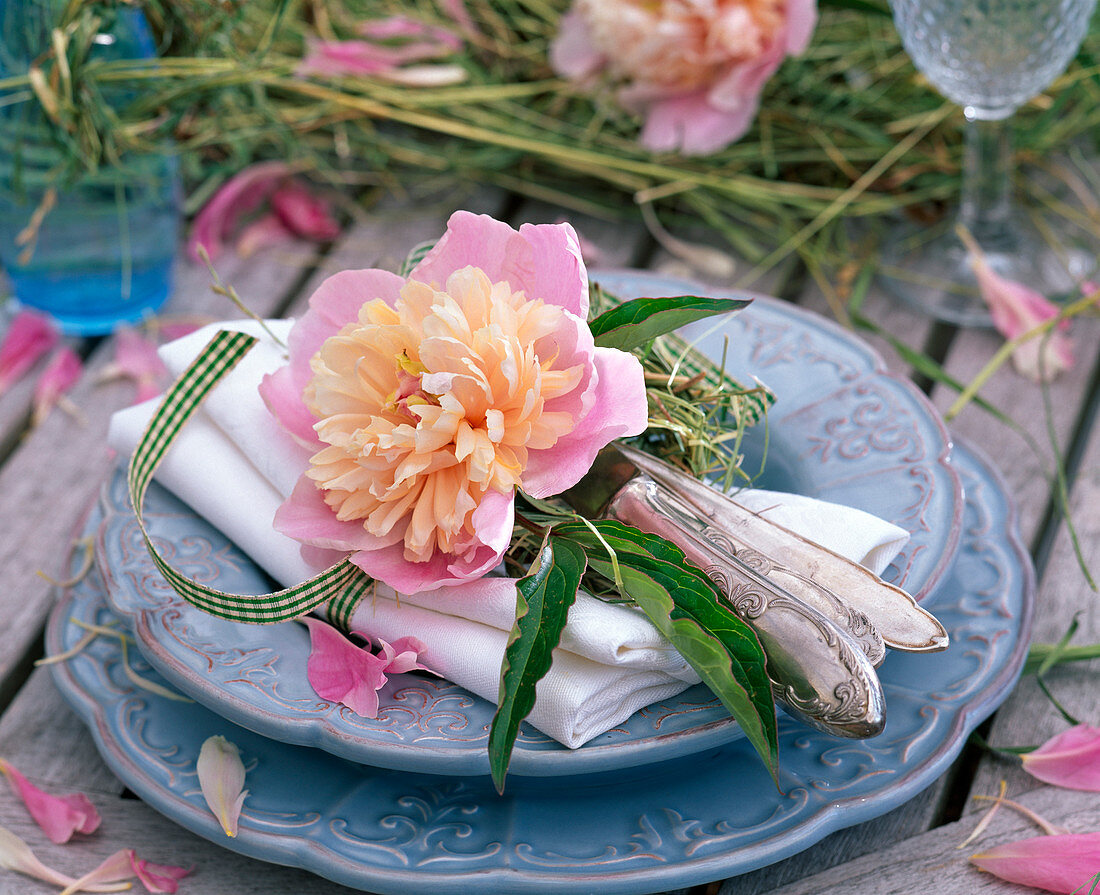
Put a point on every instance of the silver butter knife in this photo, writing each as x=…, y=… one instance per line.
x=801, y=565
x=818, y=672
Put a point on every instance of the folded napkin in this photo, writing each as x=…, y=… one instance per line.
x=234, y=465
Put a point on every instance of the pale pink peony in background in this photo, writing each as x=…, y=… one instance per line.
x=429, y=401
x=693, y=68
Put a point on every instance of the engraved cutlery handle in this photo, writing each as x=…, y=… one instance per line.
x=818, y=672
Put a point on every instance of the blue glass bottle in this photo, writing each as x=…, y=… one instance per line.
x=103, y=254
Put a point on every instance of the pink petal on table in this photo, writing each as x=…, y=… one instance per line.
x=1065, y=863
x=16, y=855
x=236, y=198
x=402, y=655
x=267, y=230
x=1017, y=309
x=1071, y=759
x=342, y=672
x=158, y=878
x=221, y=778
x=304, y=212
x=58, y=816
x=29, y=336
x=136, y=358
x=112, y=870
x=60, y=375
x=456, y=10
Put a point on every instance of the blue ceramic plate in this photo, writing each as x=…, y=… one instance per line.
x=677, y=823
x=843, y=429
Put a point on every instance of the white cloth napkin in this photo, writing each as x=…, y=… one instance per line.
x=234, y=465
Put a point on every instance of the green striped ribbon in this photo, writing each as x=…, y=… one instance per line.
x=341, y=586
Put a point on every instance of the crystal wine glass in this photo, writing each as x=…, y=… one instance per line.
x=989, y=56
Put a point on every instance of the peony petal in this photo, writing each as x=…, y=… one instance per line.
x=335, y=303
x=158, y=877
x=306, y=517
x=235, y=199
x=265, y=231
x=29, y=336
x=619, y=410
x=342, y=672
x=16, y=855
x=801, y=19
x=1071, y=759
x=61, y=373
x=221, y=778
x=405, y=26
x=1064, y=863
x=541, y=260
x=58, y=816
x=403, y=655
x=112, y=870
x=1017, y=309
x=691, y=125
x=572, y=53
x=304, y=212
x=136, y=358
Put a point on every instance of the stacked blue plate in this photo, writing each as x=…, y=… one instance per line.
x=673, y=797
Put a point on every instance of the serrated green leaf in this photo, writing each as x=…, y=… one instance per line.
x=636, y=322
x=543, y=599
x=689, y=610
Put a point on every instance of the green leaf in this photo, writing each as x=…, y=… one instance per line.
x=543, y=599
x=633, y=323
x=687, y=607
x=415, y=256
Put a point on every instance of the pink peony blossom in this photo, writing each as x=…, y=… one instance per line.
x=58, y=816
x=693, y=68
x=296, y=210
x=428, y=401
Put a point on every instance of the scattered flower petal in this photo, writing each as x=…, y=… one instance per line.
x=303, y=213
x=379, y=56
x=695, y=70
x=136, y=358
x=267, y=230
x=16, y=855
x=475, y=376
x=158, y=878
x=300, y=211
x=980, y=827
x=113, y=869
x=221, y=778
x=1071, y=759
x=58, y=816
x=1017, y=309
x=29, y=336
x=60, y=375
x=342, y=672
x=1053, y=863
x=403, y=655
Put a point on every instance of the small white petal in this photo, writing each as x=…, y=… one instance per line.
x=221, y=777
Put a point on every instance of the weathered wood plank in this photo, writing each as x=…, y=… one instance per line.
x=1028, y=717
x=933, y=861
x=45, y=739
x=57, y=468
x=1026, y=471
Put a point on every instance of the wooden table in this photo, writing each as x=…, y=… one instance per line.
x=49, y=475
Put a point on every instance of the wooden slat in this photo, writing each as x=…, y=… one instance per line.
x=1028, y=717
x=1022, y=400
x=57, y=468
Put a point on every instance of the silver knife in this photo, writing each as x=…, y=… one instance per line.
x=818, y=672
x=801, y=565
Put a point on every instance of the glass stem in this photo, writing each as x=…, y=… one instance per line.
x=986, y=208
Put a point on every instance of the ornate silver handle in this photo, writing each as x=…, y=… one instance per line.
x=818, y=672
